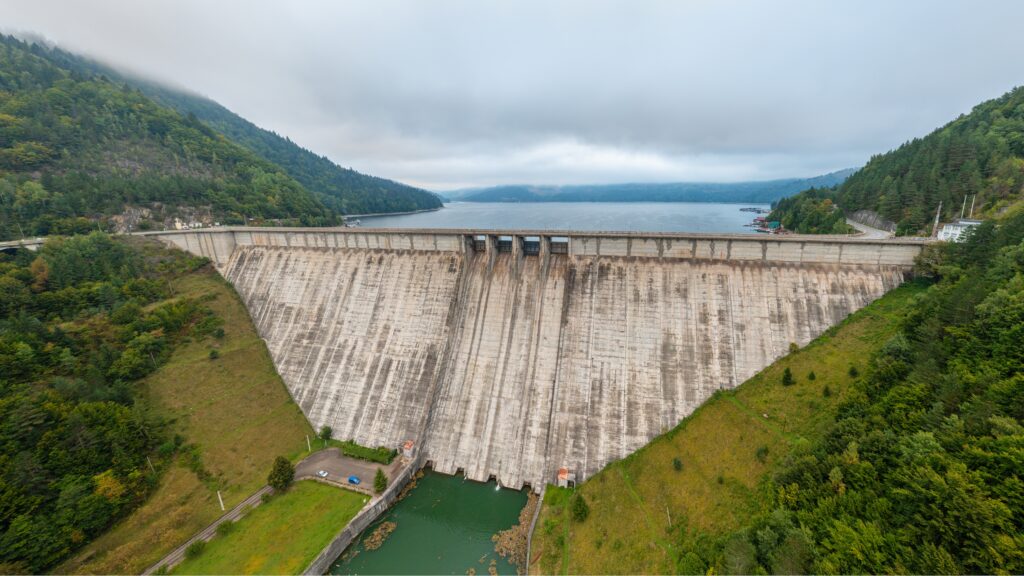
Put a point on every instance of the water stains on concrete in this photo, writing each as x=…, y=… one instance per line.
x=513, y=366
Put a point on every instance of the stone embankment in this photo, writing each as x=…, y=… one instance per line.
x=873, y=219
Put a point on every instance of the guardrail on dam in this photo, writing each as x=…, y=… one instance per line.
x=512, y=354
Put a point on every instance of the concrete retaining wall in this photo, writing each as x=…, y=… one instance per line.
x=366, y=516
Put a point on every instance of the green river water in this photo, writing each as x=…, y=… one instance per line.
x=445, y=526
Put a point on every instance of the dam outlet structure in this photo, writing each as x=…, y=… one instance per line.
x=512, y=354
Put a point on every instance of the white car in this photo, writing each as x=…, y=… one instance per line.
x=322, y=473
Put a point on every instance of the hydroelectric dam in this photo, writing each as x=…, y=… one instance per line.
x=511, y=354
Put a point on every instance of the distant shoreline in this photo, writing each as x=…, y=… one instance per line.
x=642, y=201
x=393, y=213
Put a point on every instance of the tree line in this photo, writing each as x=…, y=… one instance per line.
x=976, y=159
x=922, y=470
x=81, y=321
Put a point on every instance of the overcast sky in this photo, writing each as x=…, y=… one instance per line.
x=454, y=94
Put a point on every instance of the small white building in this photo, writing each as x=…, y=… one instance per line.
x=955, y=231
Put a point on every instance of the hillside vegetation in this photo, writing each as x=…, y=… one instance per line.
x=231, y=414
x=691, y=487
x=77, y=149
x=133, y=388
x=80, y=324
x=282, y=536
x=811, y=212
x=341, y=189
x=907, y=462
x=978, y=157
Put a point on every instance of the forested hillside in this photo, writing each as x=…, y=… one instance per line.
x=978, y=157
x=921, y=472
x=811, y=212
x=80, y=323
x=76, y=151
x=341, y=189
x=917, y=469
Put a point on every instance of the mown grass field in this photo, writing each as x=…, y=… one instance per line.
x=238, y=413
x=644, y=512
x=280, y=537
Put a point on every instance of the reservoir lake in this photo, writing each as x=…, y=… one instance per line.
x=703, y=217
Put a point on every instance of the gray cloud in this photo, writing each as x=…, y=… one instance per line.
x=450, y=94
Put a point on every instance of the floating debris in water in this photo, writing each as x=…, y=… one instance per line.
x=511, y=543
x=377, y=538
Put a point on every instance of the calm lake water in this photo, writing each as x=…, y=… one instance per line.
x=604, y=216
x=445, y=526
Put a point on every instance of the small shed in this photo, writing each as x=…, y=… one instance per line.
x=566, y=479
x=408, y=449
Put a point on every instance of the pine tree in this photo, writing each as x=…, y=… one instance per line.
x=380, y=481
x=787, y=377
x=580, y=510
x=282, y=474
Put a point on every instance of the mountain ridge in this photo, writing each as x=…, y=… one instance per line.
x=342, y=189
x=79, y=152
x=976, y=159
x=763, y=191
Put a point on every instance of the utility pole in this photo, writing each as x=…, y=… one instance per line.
x=308, y=447
x=221, y=500
x=973, y=198
x=935, y=227
x=964, y=207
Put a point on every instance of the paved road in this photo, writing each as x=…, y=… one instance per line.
x=338, y=468
x=29, y=243
x=869, y=233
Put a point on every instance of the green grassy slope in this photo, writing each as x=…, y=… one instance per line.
x=280, y=537
x=235, y=410
x=645, y=514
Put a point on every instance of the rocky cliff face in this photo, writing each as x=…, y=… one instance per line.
x=512, y=366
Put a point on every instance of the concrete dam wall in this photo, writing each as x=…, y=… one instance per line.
x=515, y=358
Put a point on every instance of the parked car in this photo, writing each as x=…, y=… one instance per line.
x=322, y=473
x=353, y=479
